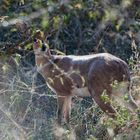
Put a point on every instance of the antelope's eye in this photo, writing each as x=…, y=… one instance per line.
x=43, y=48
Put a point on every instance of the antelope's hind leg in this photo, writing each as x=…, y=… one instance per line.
x=97, y=85
x=96, y=92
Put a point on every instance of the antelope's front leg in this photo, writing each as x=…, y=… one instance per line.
x=67, y=108
x=60, y=103
x=64, y=108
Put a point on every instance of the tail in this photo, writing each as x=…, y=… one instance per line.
x=132, y=104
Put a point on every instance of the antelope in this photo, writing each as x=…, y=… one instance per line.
x=87, y=75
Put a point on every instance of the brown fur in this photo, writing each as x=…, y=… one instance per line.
x=97, y=72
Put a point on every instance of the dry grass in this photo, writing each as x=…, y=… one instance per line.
x=28, y=109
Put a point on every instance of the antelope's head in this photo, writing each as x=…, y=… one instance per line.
x=42, y=54
x=41, y=49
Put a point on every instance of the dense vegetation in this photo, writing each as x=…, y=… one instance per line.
x=27, y=106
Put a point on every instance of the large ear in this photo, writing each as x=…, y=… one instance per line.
x=39, y=34
x=45, y=47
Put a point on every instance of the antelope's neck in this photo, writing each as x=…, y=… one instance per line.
x=46, y=66
x=40, y=60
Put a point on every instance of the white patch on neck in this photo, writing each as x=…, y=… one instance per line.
x=40, y=67
x=37, y=51
x=82, y=92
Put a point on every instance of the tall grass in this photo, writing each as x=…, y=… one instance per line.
x=28, y=108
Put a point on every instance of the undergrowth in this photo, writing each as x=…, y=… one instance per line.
x=28, y=109
x=27, y=106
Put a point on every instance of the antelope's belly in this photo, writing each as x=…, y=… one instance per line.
x=82, y=92
x=60, y=89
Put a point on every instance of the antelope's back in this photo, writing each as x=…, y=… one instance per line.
x=102, y=64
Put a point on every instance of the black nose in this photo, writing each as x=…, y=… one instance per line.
x=43, y=47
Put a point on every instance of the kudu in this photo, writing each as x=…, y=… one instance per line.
x=88, y=75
